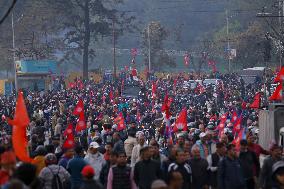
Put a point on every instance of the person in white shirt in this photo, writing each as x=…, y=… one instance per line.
x=95, y=159
x=135, y=157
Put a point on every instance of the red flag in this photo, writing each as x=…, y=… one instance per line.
x=256, y=102
x=69, y=142
x=165, y=108
x=21, y=117
x=244, y=105
x=234, y=117
x=277, y=95
x=181, y=122
x=72, y=85
x=222, y=121
x=280, y=76
x=81, y=124
x=79, y=108
x=68, y=130
x=238, y=139
x=19, y=134
x=134, y=72
x=237, y=125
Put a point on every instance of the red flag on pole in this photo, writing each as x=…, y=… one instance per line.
x=237, y=125
x=256, y=102
x=79, y=108
x=238, y=139
x=81, y=124
x=234, y=117
x=19, y=134
x=69, y=142
x=166, y=109
x=181, y=122
x=68, y=130
x=280, y=76
x=277, y=95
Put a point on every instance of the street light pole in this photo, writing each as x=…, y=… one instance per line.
x=149, y=48
x=228, y=43
x=14, y=54
x=114, y=61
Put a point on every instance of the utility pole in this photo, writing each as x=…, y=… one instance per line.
x=228, y=42
x=149, y=48
x=114, y=61
x=14, y=55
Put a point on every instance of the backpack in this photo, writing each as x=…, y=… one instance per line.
x=56, y=182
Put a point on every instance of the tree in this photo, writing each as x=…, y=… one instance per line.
x=91, y=19
x=158, y=34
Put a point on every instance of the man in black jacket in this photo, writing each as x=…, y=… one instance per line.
x=199, y=168
x=146, y=170
x=230, y=174
x=181, y=166
x=248, y=160
x=265, y=178
x=120, y=176
x=213, y=161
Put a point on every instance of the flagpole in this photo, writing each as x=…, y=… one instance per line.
x=149, y=48
x=14, y=55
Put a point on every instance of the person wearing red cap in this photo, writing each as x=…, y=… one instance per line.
x=88, y=173
x=8, y=163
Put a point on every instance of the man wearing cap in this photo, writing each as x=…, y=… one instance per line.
x=88, y=182
x=95, y=158
x=46, y=175
x=136, y=150
x=265, y=180
x=278, y=175
x=204, y=150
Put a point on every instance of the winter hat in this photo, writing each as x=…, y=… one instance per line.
x=88, y=171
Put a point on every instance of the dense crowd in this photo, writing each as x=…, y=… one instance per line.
x=147, y=153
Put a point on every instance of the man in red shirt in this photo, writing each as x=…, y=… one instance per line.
x=256, y=148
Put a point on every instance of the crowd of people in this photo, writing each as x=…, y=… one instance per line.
x=147, y=153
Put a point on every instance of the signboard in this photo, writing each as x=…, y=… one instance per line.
x=36, y=66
